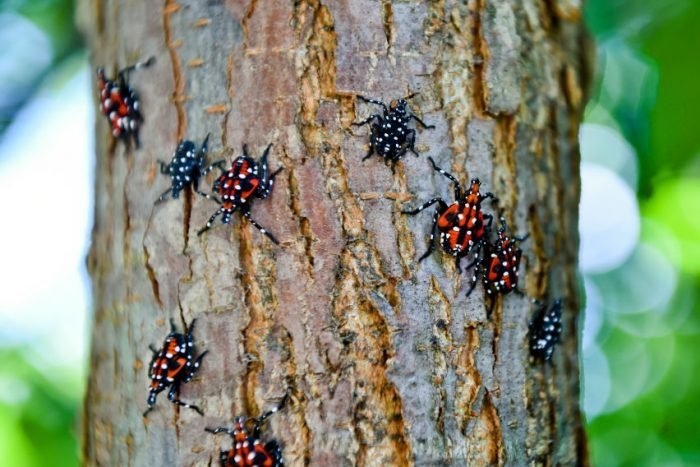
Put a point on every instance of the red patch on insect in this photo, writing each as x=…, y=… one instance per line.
x=248, y=449
x=245, y=180
x=120, y=103
x=238, y=184
x=462, y=225
x=172, y=365
x=501, y=264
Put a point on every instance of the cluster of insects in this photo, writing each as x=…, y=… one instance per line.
x=173, y=364
x=461, y=227
x=464, y=231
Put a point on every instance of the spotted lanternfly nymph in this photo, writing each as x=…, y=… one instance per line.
x=499, y=266
x=545, y=330
x=244, y=180
x=186, y=167
x=248, y=449
x=120, y=103
x=462, y=224
x=173, y=365
x=390, y=136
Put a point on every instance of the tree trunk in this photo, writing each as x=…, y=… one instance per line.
x=385, y=360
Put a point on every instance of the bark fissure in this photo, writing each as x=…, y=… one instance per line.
x=155, y=287
x=178, y=97
x=388, y=23
x=480, y=54
x=369, y=337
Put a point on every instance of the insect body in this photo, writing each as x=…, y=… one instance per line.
x=120, y=103
x=545, y=331
x=462, y=224
x=173, y=365
x=248, y=449
x=186, y=167
x=390, y=136
x=499, y=266
x=244, y=180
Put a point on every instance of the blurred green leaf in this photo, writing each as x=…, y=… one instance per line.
x=37, y=417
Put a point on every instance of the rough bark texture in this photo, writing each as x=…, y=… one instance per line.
x=386, y=361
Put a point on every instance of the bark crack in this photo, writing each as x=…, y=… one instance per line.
x=249, y=11
x=480, y=55
x=152, y=275
x=368, y=337
x=441, y=343
x=388, y=23
x=170, y=8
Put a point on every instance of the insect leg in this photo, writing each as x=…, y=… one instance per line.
x=172, y=397
x=422, y=123
x=210, y=221
x=263, y=165
x=124, y=72
x=262, y=230
x=216, y=431
x=458, y=188
x=164, y=196
x=374, y=101
x=433, y=229
x=426, y=206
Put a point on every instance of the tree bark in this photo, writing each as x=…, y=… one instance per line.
x=385, y=360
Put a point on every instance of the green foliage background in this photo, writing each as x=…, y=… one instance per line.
x=646, y=89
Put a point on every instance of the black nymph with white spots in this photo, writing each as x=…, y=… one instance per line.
x=390, y=136
x=545, y=331
x=172, y=365
x=186, y=167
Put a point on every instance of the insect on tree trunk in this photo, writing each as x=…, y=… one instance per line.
x=385, y=359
